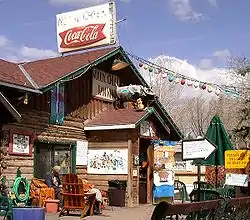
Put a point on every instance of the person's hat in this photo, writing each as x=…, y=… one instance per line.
x=57, y=169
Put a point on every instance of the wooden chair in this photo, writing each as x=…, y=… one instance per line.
x=203, y=185
x=74, y=197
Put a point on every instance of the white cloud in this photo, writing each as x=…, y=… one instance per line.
x=14, y=53
x=76, y=2
x=35, y=53
x=3, y=41
x=184, y=10
x=81, y=2
x=213, y=2
x=205, y=63
x=210, y=75
x=222, y=53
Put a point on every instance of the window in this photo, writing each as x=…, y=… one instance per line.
x=182, y=166
x=47, y=156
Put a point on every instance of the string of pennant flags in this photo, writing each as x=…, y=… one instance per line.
x=181, y=79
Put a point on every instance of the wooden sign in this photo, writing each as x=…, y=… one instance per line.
x=104, y=85
x=236, y=159
x=146, y=129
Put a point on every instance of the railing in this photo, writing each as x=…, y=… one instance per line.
x=226, y=209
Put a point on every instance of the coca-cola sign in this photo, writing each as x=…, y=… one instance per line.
x=86, y=28
x=82, y=36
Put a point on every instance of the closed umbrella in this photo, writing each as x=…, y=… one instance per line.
x=218, y=135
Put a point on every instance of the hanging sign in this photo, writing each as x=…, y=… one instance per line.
x=197, y=149
x=104, y=85
x=86, y=28
x=146, y=129
x=237, y=179
x=82, y=153
x=236, y=159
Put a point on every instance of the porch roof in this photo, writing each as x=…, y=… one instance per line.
x=113, y=119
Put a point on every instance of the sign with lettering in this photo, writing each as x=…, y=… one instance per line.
x=104, y=85
x=236, y=159
x=146, y=129
x=197, y=149
x=82, y=153
x=237, y=179
x=86, y=28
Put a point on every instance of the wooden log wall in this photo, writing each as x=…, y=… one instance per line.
x=13, y=162
x=100, y=140
x=79, y=103
x=115, y=139
x=38, y=124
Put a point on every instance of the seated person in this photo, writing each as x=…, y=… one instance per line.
x=98, y=195
x=52, y=180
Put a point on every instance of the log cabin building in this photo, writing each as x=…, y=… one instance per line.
x=48, y=106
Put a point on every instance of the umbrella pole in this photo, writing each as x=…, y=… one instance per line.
x=199, y=181
x=216, y=176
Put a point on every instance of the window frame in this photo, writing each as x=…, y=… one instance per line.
x=51, y=148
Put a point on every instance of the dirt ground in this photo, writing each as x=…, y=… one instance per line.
x=115, y=213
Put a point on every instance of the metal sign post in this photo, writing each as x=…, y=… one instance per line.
x=197, y=149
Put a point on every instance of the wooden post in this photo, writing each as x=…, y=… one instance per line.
x=149, y=174
x=130, y=175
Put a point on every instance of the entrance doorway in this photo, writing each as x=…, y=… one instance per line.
x=146, y=155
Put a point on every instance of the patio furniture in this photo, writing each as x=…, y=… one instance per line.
x=203, y=185
x=39, y=192
x=226, y=192
x=230, y=209
x=74, y=197
x=181, y=187
x=218, y=135
x=6, y=207
x=204, y=194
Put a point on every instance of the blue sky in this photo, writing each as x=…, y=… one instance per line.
x=202, y=31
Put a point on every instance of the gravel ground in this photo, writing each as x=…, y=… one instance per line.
x=116, y=213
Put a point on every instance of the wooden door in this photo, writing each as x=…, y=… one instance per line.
x=150, y=154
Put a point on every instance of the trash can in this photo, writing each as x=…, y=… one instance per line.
x=116, y=192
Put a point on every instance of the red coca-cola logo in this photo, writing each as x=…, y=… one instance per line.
x=82, y=36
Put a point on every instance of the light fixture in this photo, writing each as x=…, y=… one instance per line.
x=118, y=65
x=26, y=98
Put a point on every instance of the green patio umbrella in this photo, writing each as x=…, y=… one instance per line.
x=218, y=135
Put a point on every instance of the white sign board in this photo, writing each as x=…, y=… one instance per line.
x=86, y=28
x=197, y=149
x=164, y=177
x=108, y=161
x=237, y=179
x=82, y=153
x=146, y=129
x=104, y=85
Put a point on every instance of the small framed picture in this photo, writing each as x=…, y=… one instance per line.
x=21, y=143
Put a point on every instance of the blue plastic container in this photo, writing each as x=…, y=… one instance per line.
x=29, y=213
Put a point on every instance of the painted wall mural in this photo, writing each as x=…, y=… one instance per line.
x=108, y=161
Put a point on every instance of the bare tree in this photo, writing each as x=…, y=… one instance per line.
x=194, y=115
x=168, y=92
x=240, y=69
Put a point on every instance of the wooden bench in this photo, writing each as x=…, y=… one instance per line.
x=74, y=197
x=230, y=209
